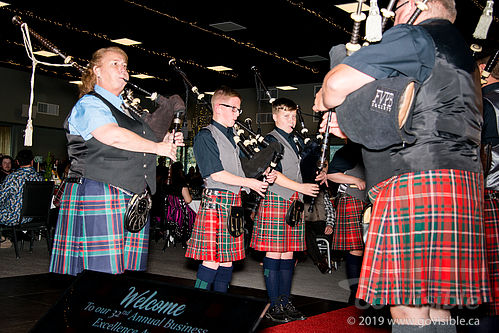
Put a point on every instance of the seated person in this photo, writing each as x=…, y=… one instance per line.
x=196, y=184
x=11, y=190
x=6, y=167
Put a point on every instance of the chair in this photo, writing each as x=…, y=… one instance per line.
x=324, y=246
x=37, y=197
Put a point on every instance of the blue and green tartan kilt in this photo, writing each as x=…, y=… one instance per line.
x=90, y=233
x=271, y=233
x=210, y=239
x=426, y=241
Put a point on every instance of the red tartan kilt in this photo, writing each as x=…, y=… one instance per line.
x=347, y=233
x=271, y=233
x=491, y=223
x=426, y=241
x=210, y=239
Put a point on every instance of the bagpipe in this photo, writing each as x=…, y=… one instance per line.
x=258, y=153
x=262, y=154
x=138, y=207
x=383, y=106
x=159, y=121
x=489, y=67
x=310, y=151
x=386, y=128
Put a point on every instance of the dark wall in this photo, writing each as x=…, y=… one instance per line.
x=48, y=134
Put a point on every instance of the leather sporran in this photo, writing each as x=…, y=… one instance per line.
x=137, y=211
x=294, y=214
x=235, y=223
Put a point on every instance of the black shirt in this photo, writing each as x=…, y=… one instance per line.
x=345, y=158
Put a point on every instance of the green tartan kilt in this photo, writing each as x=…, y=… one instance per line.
x=90, y=233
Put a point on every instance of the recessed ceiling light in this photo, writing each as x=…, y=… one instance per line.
x=3, y=4
x=313, y=58
x=76, y=82
x=142, y=76
x=45, y=53
x=286, y=88
x=219, y=68
x=227, y=26
x=125, y=41
x=352, y=7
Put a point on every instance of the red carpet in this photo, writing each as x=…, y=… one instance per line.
x=348, y=319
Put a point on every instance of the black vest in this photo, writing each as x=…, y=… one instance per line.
x=129, y=170
x=447, y=116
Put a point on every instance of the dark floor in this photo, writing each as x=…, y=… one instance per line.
x=25, y=299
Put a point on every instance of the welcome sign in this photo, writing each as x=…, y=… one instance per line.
x=100, y=302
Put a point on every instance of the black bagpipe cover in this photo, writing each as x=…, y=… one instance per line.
x=309, y=161
x=160, y=120
x=256, y=166
x=370, y=115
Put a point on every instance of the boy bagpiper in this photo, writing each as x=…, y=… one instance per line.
x=218, y=158
x=272, y=233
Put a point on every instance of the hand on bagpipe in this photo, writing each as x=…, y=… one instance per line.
x=260, y=156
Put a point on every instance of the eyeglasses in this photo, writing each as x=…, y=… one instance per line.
x=234, y=109
x=398, y=7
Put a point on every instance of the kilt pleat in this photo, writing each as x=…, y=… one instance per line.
x=491, y=223
x=210, y=239
x=271, y=233
x=347, y=234
x=90, y=233
x=426, y=241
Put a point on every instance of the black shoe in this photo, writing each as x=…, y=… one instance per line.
x=292, y=313
x=277, y=314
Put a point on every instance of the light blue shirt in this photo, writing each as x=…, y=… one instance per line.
x=90, y=113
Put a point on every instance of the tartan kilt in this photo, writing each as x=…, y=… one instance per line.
x=426, y=241
x=347, y=233
x=90, y=232
x=210, y=239
x=271, y=233
x=491, y=223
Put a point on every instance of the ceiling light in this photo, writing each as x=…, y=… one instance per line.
x=227, y=26
x=3, y=4
x=219, y=68
x=352, y=7
x=209, y=93
x=45, y=53
x=125, y=41
x=76, y=82
x=313, y=58
x=286, y=88
x=142, y=76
